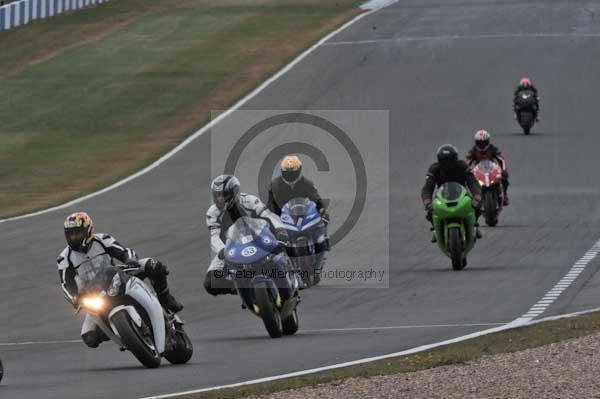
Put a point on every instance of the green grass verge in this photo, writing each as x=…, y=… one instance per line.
x=90, y=97
x=502, y=342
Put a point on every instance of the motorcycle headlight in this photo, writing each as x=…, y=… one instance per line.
x=94, y=303
x=115, y=286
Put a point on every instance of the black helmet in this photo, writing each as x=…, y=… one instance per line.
x=447, y=154
x=225, y=190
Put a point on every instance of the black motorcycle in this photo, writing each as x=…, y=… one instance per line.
x=526, y=108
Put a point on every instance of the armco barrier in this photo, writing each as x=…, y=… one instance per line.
x=24, y=11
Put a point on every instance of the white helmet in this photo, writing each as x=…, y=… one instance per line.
x=482, y=139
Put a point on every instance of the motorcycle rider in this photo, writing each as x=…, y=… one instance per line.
x=86, y=251
x=484, y=150
x=229, y=205
x=293, y=184
x=526, y=85
x=449, y=168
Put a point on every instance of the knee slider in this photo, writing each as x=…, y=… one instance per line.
x=91, y=339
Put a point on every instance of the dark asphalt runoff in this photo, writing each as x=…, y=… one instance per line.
x=443, y=69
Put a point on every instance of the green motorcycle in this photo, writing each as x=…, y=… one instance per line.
x=454, y=223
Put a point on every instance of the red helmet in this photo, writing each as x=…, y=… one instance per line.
x=525, y=83
x=482, y=139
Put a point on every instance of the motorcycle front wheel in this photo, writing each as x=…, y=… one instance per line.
x=455, y=247
x=135, y=341
x=268, y=312
x=490, y=208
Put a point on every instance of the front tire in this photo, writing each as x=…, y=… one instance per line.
x=490, y=208
x=455, y=247
x=268, y=313
x=526, y=120
x=132, y=338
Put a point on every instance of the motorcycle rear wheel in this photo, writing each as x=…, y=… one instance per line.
x=268, y=313
x=455, y=246
x=291, y=324
x=183, y=348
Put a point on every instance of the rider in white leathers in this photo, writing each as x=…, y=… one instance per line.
x=87, y=252
x=229, y=205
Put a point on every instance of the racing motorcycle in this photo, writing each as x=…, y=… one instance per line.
x=525, y=105
x=454, y=223
x=307, y=237
x=127, y=310
x=489, y=175
x=263, y=275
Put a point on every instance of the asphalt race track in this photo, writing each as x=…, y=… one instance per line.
x=443, y=69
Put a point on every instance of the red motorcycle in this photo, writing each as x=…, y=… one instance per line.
x=489, y=175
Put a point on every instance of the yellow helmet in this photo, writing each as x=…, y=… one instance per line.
x=79, y=231
x=291, y=169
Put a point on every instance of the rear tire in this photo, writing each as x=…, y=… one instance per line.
x=183, y=349
x=455, y=246
x=490, y=208
x=291, y=324
x=268, y=313
x=133, y=341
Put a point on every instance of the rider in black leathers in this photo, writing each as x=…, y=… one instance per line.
x=525, y=84
x=449, y=168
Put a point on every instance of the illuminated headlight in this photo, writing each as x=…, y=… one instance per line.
x=481, y=183
x=95, y=303
x=115, y=286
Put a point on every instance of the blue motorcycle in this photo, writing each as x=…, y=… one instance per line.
x=263, y=275
x=308, y=242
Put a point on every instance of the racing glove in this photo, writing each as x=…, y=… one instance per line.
x=282, y=237
x=428, y=205
x=324, y=216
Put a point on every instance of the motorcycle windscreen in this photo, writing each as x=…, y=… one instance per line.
x=95, y=274
x=487, y=166
x=297, y=207
x=246, y=230
x=95, y=281
x=451, y=191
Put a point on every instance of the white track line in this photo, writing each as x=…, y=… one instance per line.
x=551, y=296
x=204, y=129
x=28, y=343
x=467, y=37
x=408, y=327
x=74, y=341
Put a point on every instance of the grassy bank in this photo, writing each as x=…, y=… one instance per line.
x=502, y=342
x=90, y=97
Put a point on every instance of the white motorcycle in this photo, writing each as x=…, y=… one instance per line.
x=127, y=310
